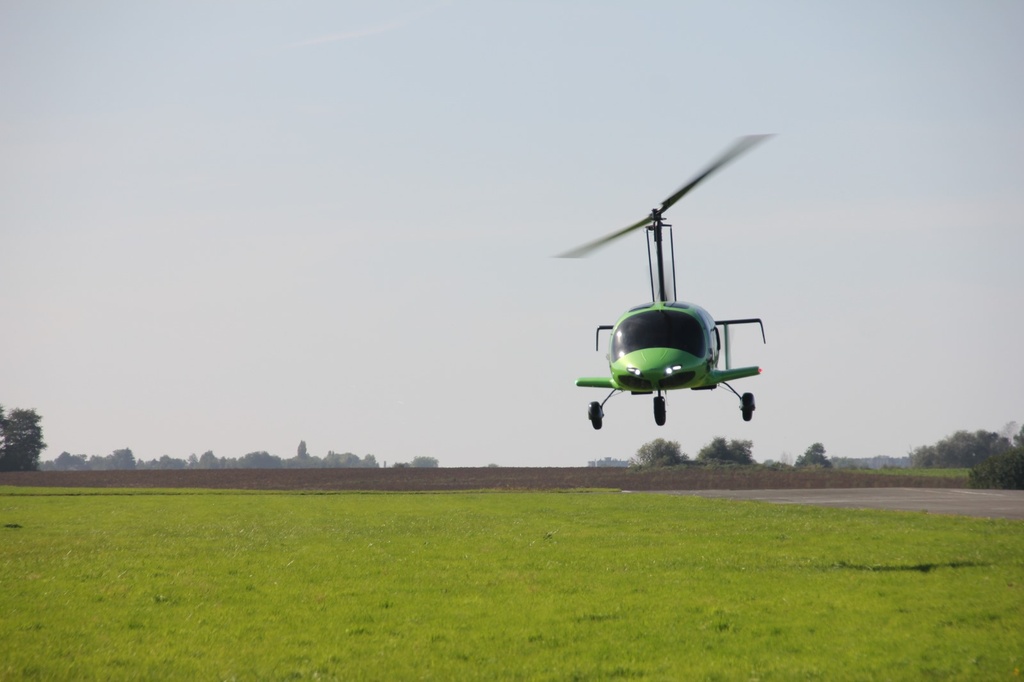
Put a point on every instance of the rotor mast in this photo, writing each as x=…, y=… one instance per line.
x=659, y=253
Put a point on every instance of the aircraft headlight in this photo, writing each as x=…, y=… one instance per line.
x=674, y=368
x=633, y=370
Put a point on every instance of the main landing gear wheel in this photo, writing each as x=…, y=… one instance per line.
x=747, y=406
x=595, y=414
x=659, y=410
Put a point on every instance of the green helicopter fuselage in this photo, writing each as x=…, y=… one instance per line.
x=665, y=346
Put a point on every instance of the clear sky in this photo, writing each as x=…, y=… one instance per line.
x=232, y=226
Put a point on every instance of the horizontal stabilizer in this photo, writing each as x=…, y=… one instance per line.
x=596, y=382
x=720, y=375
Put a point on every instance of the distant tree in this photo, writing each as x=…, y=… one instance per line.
x=118, y=459
x=122, y=459
x=67, y=462
x=658, y=453
x=960, y=450
x=208, y=460
x=193, y=461
x=346, y=460
x=168, y=462
x=718, y=450
x=370, y=462
x=21, y=440
x=302, y=459
x=1018, y=440
x=424, y=463
x=814, y=456
x=259, y=460
x=97, y=463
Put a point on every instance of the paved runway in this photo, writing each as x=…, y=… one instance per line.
x=1001, y=504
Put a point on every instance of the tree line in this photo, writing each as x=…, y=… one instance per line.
x=964, y=450
x=124, y=459
x=961, y=450
x=660, y=453
x=21, y=443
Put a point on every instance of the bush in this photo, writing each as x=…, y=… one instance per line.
x=658, y=453
x=1005, y=471
x=719, y=450
x=814, y=457
x=962, y=449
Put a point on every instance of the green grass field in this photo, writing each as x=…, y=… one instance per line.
x=559, y=586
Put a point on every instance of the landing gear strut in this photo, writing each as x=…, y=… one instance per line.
x=659, y=410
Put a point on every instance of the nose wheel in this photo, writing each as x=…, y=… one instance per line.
x=659, y=410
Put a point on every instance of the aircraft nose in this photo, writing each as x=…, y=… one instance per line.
x=655, y=358
x=661, y=366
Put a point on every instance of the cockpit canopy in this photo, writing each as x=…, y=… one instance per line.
x=659, y=329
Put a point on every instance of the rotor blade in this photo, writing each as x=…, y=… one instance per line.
x=741, y=145
x=586, y=249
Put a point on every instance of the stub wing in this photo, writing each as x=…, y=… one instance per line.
x=719, y=375
x=597, y=382
x=715, y=377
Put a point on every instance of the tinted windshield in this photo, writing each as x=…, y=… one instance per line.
x=659, y=329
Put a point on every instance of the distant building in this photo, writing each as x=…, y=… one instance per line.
x=608, y=462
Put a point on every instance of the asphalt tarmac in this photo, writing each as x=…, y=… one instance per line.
x=997, y=504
